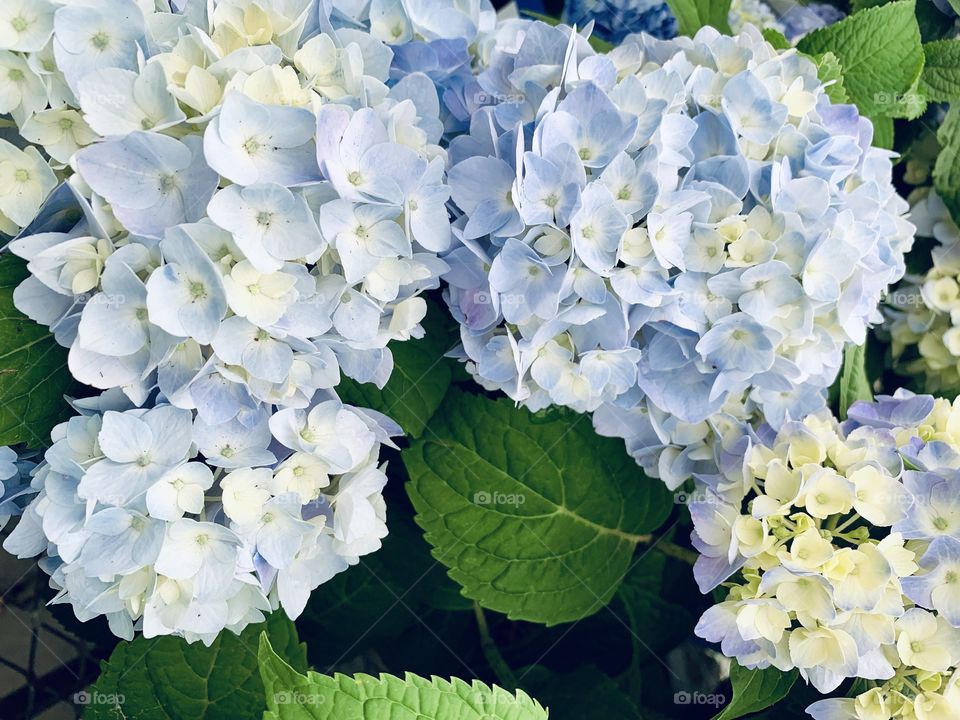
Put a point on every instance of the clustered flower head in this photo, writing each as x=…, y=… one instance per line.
x=686, y=223
x=613, y=20
x=839, y=546
x=924, y=310
x=225, y=207
x=169, y=525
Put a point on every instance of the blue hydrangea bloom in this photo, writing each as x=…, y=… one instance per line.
x=615, y=19
x=253, y=201
x=712, y=215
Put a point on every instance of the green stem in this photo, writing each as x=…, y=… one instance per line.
x=846, y=523
x=491, y=652
x=672, y=550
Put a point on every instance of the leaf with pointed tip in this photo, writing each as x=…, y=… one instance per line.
x=880, y=52
x=854, y=383
x=755, y=690
x=536, y=518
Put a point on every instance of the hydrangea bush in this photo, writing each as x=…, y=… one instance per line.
x=270, y=266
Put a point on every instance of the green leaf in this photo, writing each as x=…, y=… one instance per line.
x=294, y=696
x=854, y=383
x=776, y=38
x=33, y=369
x=940, y=80
x=946, y=171
x=535, y=518
x=755, y=690
x=168, y=679
x=830, y=71
x=880, y=52
x=420, y=377
x=695, y=14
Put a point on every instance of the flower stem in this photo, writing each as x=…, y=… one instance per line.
x=491, y=652
x=672, y=550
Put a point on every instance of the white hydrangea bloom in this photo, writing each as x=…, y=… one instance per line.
x=839, y=546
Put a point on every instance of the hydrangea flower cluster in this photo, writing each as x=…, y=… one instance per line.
x=688, y=222
x=923, y=312
x=843, y=541
x=236, y=204
x=166, y=524
x=613, y=20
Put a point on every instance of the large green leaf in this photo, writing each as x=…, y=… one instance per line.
x=294, y=696
x=168, y=679
x=695, y=14
x=33, y=369
x=420, y=377
x=880, y=52
x=940, y=81
x=946, y=171
x=755, y=690
x=536, y=517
